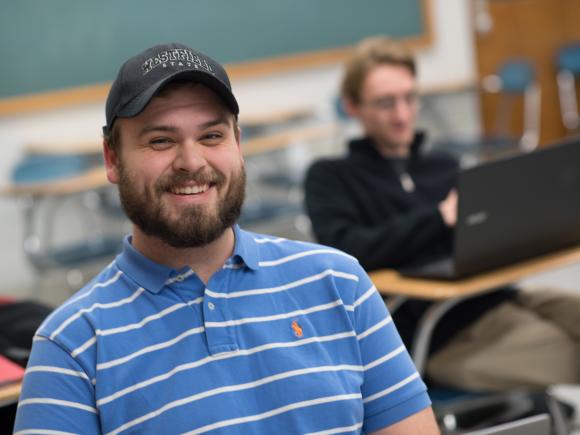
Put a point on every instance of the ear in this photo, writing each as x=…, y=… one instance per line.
x=351, y=108
x=238, y=136
x=111, y=163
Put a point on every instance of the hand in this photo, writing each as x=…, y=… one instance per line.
x=448, y=208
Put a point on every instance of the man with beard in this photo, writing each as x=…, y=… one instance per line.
x=199, y=326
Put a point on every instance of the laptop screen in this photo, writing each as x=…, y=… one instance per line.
x=517, y=208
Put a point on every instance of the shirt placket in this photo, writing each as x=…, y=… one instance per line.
x=218, y=321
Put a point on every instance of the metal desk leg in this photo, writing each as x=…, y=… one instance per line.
x=394, y=302
x=558, y=418
x=422, y=339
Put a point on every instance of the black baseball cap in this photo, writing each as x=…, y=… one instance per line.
x=145, y=74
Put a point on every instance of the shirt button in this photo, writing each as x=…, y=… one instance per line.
x=179, y=278
x=211, y=306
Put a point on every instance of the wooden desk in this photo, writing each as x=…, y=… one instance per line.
x=447, y=294
x=9, y=393
x=390, y=282
x=92, y=179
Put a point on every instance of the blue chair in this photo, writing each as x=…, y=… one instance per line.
x=458, y=410
x=515, y=80
x=515, y=84
x=568, y=72
x=67, y=231
x=345, y=125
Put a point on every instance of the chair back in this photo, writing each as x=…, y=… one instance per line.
x=568, y=71
x=516, y=80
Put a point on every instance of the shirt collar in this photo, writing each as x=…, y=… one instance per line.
x=153, y=276
x=246, y=248
x=147, y=273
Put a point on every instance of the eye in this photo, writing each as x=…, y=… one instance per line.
x=212, y=137
x=386, y=103
x=161, y=143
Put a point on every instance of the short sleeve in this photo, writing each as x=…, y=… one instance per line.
x=57, y=394
x=392, y=389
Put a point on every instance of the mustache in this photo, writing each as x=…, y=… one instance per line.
x=203, y=176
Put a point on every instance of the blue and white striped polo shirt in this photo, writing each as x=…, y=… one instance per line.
x=288, y=337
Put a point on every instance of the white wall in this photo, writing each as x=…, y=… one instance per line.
x=451, y=59
x=448, y=62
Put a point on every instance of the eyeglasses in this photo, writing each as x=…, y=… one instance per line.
x=389, y=102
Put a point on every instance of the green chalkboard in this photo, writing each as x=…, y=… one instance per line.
x=49, y=45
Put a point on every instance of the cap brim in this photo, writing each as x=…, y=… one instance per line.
x=137, y=104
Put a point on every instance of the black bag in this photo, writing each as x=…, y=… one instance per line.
x=18, y=323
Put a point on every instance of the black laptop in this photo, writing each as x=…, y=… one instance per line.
x=513, y=209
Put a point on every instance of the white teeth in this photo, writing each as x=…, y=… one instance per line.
x=189, y=190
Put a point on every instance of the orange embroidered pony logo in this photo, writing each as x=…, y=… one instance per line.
x=297, y=329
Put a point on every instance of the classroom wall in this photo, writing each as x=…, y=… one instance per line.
x=447, y=63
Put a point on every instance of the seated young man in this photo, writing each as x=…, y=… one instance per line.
x=391, y=205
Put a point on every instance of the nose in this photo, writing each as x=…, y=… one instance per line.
x=402, y=110
x=189, y=157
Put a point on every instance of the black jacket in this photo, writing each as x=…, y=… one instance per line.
x=358, y=204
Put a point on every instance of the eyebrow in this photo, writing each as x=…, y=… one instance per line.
x=173, y=129
x=218, y=121
x=150, y=128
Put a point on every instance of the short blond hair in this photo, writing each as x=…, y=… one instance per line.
x=367, y=54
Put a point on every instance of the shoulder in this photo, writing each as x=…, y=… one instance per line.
x=105, y=288
x=319, y=268
x=327, y=165
x=303, y=255
x=325, y=174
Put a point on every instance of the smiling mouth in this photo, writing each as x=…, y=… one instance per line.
x=190, y=190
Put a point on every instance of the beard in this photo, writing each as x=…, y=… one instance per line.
x=197, y=224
